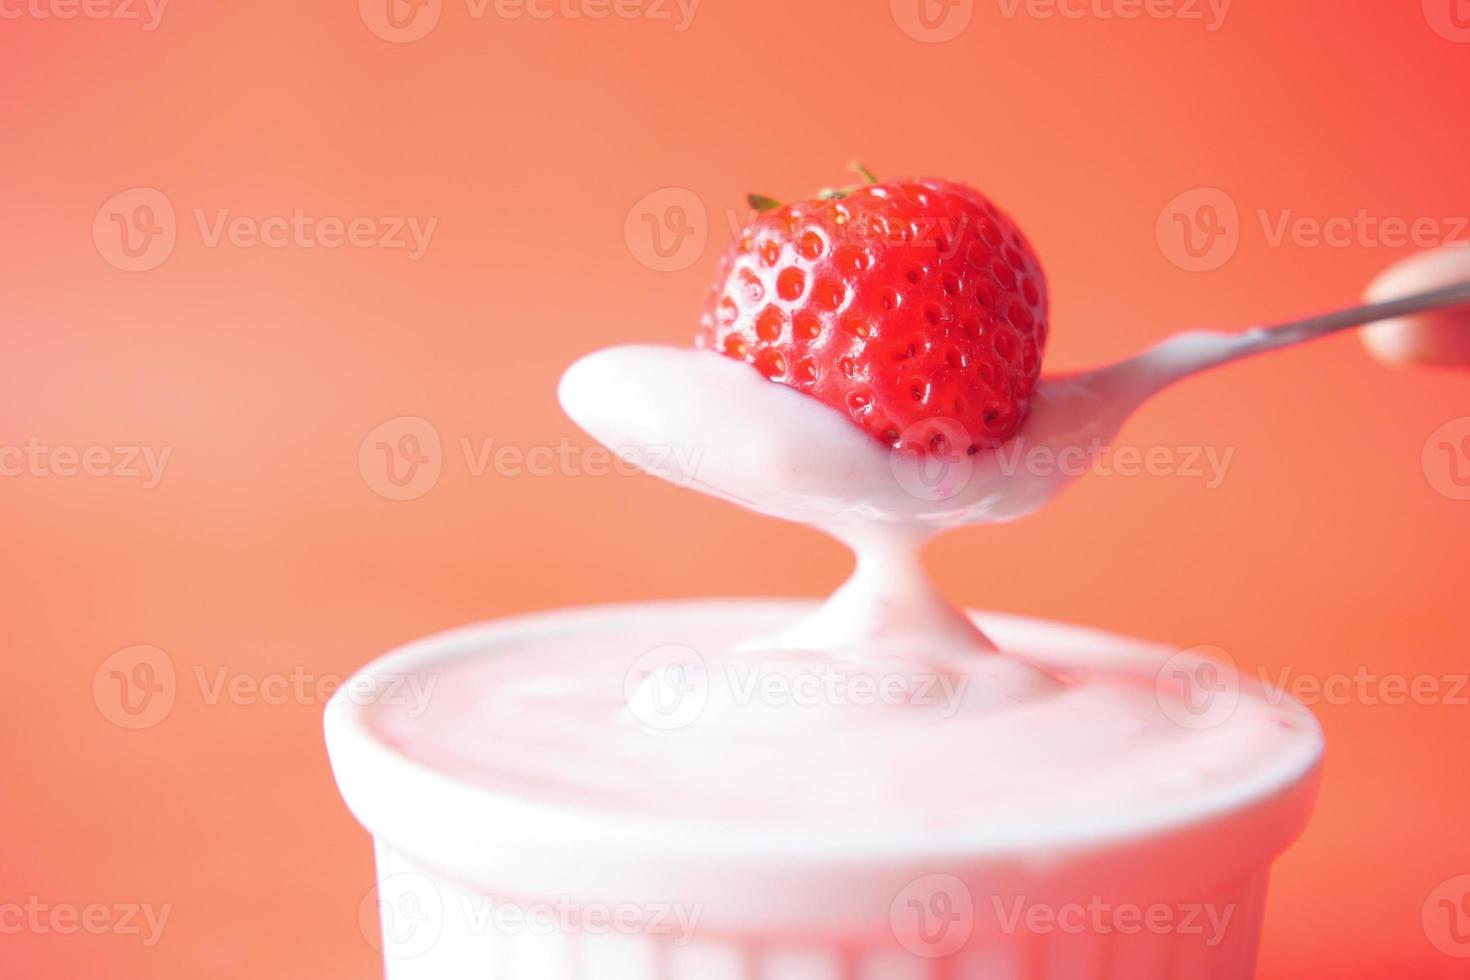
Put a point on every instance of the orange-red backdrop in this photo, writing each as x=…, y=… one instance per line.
x=267, y=548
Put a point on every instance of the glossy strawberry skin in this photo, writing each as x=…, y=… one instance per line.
x=914, y=307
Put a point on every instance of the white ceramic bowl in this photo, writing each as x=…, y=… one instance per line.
x=476, y=883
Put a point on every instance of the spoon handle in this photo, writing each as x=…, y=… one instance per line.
x=1307, y=328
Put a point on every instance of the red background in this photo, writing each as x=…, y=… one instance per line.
x=264, y=549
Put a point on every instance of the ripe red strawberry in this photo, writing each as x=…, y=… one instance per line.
x=901, y=304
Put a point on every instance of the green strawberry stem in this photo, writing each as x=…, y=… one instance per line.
x=762, y=203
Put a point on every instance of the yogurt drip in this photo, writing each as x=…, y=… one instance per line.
x=714, y=424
